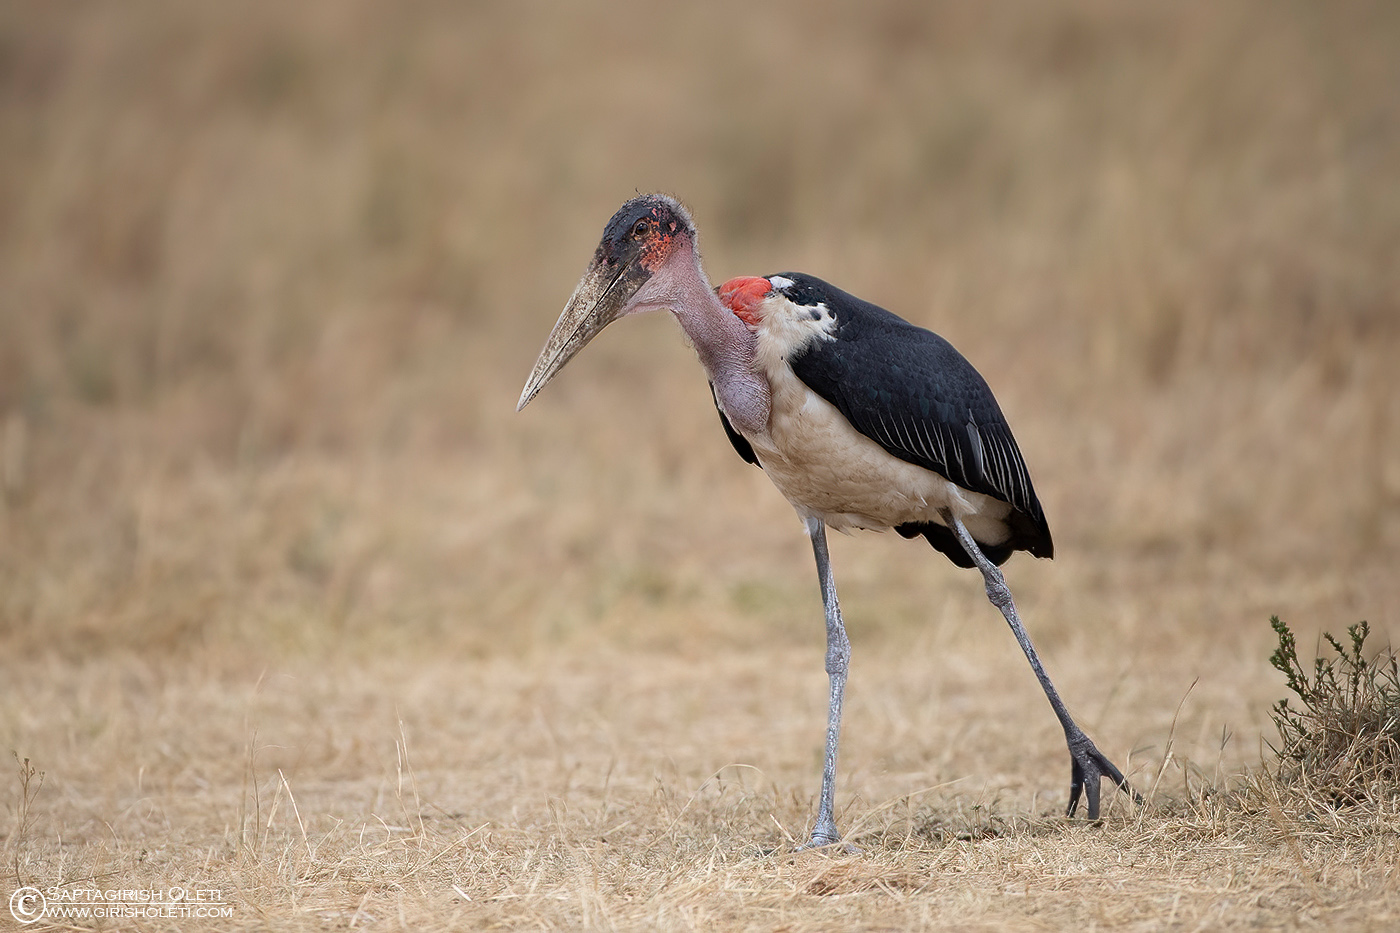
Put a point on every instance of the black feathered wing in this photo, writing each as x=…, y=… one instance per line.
x=741, y=443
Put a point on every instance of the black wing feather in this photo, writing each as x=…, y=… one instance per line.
x=910, y=391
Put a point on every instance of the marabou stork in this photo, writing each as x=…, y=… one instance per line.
x=861, y=419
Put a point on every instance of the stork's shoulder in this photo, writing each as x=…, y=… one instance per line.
x=873, y=358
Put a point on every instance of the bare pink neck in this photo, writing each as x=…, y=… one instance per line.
x=725, y=345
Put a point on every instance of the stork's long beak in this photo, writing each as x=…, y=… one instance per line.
x=600, y=298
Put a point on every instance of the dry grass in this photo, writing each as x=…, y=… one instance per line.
x=293, y=604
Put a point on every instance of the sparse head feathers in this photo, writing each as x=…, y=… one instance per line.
x=651, y=224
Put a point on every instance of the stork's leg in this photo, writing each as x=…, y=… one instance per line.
x=838, y=656
x=1090, y=765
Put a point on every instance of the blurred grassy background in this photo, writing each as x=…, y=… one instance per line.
x=273, y=275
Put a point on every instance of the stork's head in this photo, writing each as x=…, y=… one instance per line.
x=646, y=257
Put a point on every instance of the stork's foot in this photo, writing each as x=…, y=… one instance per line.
x=825, y=835
x=1090, y=767
x=833, y=846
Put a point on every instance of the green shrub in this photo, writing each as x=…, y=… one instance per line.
x=1343, y=743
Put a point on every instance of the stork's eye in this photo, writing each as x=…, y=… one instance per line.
x=641, y=228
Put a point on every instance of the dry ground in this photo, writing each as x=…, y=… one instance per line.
x=294, y=606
